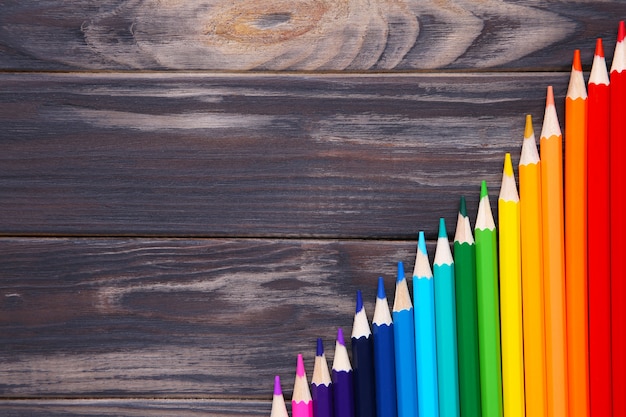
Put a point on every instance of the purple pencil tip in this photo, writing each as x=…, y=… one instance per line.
x=320, y=347
x=359, y=301
x=277, y=389
x=340, y=339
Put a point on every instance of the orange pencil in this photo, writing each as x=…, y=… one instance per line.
x=576, y=241
x=598, y=226
x=551, y=151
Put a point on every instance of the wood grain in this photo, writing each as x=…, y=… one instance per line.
x=320, y=35
x=380, y=156
x=177, y=318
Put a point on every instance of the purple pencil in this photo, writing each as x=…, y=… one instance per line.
x=279, y=409
x=343, y=391
x=321, y=385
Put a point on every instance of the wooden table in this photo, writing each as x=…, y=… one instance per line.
x=191, y=192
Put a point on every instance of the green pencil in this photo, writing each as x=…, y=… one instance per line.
x=488, y=308
x=466, y=311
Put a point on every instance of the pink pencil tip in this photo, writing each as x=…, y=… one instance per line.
x=300, y=366
x=599, y=48
x=550, y=97
x=576, y=64
x=621, y=32
x=277, y=389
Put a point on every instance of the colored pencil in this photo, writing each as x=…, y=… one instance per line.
x=342, y=376
x=598, y=223
x=279, y=409
x=363, y=362
x=511, y=294
x=576, y=241
x=445, y=325
x=466, y=314
x=551, y=148
x=404, y=345
x=532, y=275
x=384, y=361
x=321, y=384
x=488, y=308
x=618, y=222
x=425, y=335
x=301, y=401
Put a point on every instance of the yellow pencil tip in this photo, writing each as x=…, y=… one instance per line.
x=508, y=166
x=528, y=129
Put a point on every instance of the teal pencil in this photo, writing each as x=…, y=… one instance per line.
x=445, y=320
x=404, y=346
x=425, y=337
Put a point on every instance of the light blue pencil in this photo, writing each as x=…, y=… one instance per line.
x=404, y=346
x=425, y=337
x=445, y=319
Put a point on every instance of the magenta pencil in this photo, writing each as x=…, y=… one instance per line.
x=301, y=401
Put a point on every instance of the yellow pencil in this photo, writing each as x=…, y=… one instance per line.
x=511, y=294
x=551, y=148
x=532, y=275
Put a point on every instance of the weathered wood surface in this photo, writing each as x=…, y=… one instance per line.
x=301, y=34
x=249, y=156
x=177, y=318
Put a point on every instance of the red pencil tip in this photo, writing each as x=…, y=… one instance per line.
x=621, y=32
x=576, y=64
x=599, y=48
x=550, y=97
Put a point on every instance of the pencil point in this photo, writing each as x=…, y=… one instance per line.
x=277, y=389
x=421, y=242
x=483, y=189
x=320, y=347
x=508, y=166
x=463, y=207
x=576, y=63
x=400, y=271
x=340, y=338
x=621, y=32
x=599, y=48
x=381, y=288
x=550, y=96
x=528, y=128
x=359, y=301
x=300, y=366
x=442, y=228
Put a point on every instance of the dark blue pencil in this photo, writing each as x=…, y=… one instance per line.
x=343, y=388
x=321, y=385
x=363, y=362
x=384, y=361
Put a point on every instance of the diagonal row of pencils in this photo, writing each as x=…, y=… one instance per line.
x=524, y=319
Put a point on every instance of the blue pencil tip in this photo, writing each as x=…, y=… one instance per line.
x=421, y=242
x=381, y=288
x=359, y=301
x=400, y=271
x=320, y=347
x=442, y=228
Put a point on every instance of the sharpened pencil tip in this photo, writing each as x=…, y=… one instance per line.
x=300, y=366
x=599, y=48
x=381, y=289
x=400, y=271
x=359, y=301
x=528, y=128
x=320, y=347
x=508, y=165
x=463, y=207
x=483, y=189
x=576, y=63
x=442, y=228
x=340, y=338
x=550, y=96
x=421, y=242
x=621, y=32
x=277, y=389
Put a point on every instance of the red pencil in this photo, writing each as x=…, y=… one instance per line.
x=598, y=224
x=618, y=222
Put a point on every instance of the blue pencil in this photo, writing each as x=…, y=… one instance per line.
x=363, y=362
x=321, y=385
x=384, y=361
x=343, y=389
x=404, y=346
x=425, y=337
x=445, y=319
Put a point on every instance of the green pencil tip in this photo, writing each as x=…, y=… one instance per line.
x=442, y=228
x=462, y=207
x=483, y=189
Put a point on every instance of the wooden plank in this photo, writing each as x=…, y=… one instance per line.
x=177, y=318
x=134, y=407
x=359, y=156
x=298, y=35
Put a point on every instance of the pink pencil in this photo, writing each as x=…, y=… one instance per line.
x=301, y=401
